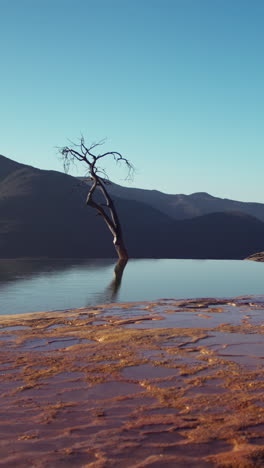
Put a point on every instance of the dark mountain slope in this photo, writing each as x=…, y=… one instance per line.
x=218, y=235
x=187, y=206
x=7, y=166
x=43, y=214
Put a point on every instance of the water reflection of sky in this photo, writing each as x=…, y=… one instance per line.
x=37, y=285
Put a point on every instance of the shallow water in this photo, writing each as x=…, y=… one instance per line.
x=39, y=285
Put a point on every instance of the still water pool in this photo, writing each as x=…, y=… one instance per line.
x=41, y=285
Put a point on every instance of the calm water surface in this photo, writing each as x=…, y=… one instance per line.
x=39, y=285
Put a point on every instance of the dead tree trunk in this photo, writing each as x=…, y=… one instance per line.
x=111, y=221
x=107, y=210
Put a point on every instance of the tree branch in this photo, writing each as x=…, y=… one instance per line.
x=86, y=154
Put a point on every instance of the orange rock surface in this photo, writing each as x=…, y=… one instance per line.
x=164, y=384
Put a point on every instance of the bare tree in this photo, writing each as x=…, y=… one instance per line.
x=81, y=153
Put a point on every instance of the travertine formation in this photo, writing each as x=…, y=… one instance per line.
x=164, y=384
x=257, y=257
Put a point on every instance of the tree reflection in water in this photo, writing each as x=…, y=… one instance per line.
x=110, y=294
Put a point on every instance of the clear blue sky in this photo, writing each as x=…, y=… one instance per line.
x=177, y=86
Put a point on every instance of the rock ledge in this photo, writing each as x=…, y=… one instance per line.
x=256, y=257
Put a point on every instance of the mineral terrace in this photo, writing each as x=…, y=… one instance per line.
x=163, y=384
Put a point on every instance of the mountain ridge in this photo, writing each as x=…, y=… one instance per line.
x=44, y=214
x=181, y=206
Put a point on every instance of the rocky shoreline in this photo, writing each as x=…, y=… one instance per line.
x=151, y=384
x=257, y=257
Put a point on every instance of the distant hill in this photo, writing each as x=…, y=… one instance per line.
x=187, y=206
x=43, y=214
x=7, y=166
x=219, y=235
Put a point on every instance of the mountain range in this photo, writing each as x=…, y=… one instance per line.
x=187, y=206
x=43, y=214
